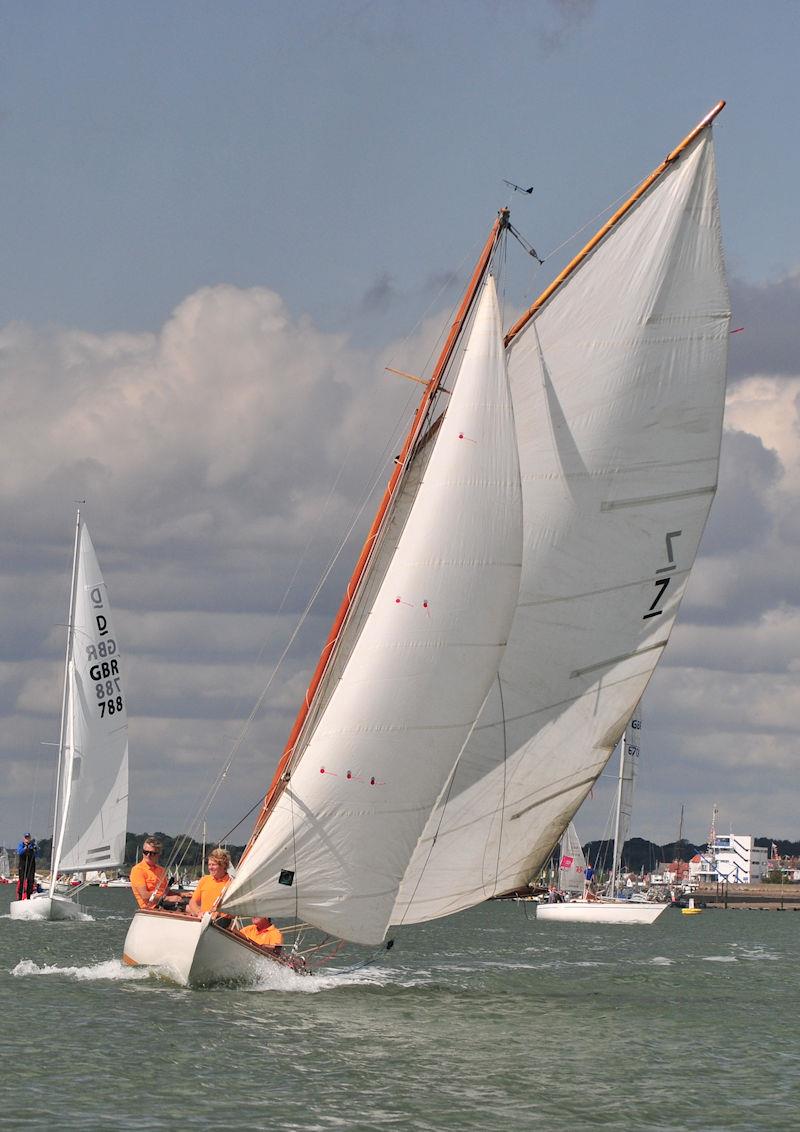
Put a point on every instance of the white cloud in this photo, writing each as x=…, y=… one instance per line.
x=212, y=457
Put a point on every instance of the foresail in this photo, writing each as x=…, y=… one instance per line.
x=618, y=386
x=571, y=863
x=94, y=779
x=334, y=849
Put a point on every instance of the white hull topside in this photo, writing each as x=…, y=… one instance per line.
x=43, y=906
x=601, y=911
x=195, y=953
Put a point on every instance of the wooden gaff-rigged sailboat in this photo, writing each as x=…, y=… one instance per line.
x=616, y=377
x=91, y=808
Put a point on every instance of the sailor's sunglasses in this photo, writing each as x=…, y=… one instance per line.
x=150, y=852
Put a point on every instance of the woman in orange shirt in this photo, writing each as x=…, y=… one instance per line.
x=210, y=887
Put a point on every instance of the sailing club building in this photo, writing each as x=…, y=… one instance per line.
x=733, y=858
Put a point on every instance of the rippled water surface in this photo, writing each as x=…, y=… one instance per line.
x=488, y=1020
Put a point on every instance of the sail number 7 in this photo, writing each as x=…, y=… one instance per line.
x=662, y=583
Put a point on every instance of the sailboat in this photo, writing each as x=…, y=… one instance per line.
x=487, y=656
x=612, y=909
x=91, y=807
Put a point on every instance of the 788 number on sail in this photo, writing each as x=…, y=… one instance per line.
x=107, y=685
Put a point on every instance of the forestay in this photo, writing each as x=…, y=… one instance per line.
x=92, y=808
x=618, y=387
x=334, y=849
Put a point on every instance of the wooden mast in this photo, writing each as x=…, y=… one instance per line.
x=364, y=557
x=612, y=222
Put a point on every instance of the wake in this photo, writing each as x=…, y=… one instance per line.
x=112, y=969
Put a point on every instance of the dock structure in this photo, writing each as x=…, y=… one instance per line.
x=756, y=897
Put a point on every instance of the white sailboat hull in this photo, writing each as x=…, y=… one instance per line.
x=43, y=906
x=196, y=953
x=601, y=912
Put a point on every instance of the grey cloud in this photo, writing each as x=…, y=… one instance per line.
x=768, y=313
x=380, y=295
x=741, y=515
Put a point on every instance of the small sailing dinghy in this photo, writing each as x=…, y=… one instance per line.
x=91, y=808
x=613, y=909
x=515, y=592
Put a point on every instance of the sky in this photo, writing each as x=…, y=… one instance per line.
x=222, y=222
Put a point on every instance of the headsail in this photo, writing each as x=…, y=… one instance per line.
x=335, y=846
x=571, y=863
x=618, y=385
x=92, y=811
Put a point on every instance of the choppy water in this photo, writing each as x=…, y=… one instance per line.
x=485, y=1021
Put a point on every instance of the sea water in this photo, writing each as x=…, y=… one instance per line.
x=487, y=1020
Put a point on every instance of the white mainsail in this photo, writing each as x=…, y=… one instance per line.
x=618, y=386
x=335, y=847
x=630, y=750
x=92, y=805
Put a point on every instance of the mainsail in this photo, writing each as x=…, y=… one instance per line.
x=630, y=751
x=618, y=384
x=337, y=841
x=92, y=797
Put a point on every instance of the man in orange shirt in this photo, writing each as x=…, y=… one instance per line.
x=210, y=887
x=149, y=880
x=263, y=932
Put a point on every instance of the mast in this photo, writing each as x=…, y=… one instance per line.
x=612, y=222
x=616, y=859
x=712, y=838
x=401, y=463
x=60, y=812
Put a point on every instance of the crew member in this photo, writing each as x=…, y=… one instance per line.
x=210, y=887
x=263, y=932
x=149, y=880
x=26, y=854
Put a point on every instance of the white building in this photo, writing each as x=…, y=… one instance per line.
x=733, y=858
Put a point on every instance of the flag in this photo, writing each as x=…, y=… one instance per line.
x=775, y=853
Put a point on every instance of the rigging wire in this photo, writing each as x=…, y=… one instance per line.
x=377, y=474
x=191, y=823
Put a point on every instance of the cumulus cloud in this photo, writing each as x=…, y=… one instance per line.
x=220, y=460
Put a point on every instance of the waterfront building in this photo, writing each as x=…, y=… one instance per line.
x=731, y=857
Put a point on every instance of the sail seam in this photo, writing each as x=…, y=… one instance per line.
x=615, y=504
x=617, y=659
x=551, y=797
x=593, y=593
